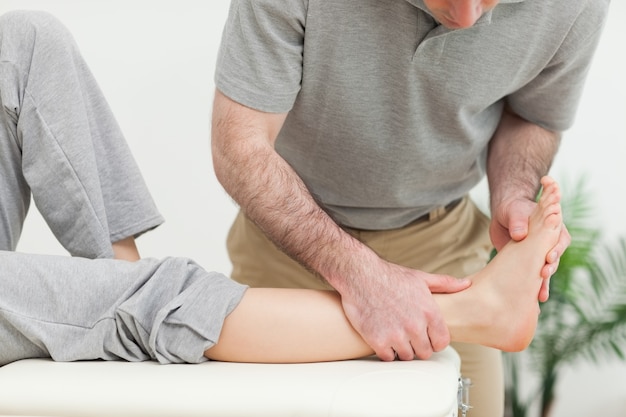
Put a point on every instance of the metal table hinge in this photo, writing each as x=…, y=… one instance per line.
x=463, y=395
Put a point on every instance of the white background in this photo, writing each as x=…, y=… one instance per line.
x=154, y=60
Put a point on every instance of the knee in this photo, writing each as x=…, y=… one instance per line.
x=19, y=29
x=28, y=19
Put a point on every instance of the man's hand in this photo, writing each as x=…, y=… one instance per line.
x=394, y=311
x=510, y=222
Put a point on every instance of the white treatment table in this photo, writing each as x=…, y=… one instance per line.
x=356, y=388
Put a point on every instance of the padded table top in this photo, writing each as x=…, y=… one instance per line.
x=355, y=388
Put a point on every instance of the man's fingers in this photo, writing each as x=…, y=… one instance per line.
x=421, y=342
x=405, y=352
x=446, y=284
x=421, y=348
x=544, y=291
x=386, y=354
x=438, y=334
x=549, y=269
x=436, y=338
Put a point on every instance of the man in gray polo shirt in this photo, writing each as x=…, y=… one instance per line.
x=350, y=132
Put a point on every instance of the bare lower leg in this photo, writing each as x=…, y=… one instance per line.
x=279, y=325
x=500, y=309
x=126, y=249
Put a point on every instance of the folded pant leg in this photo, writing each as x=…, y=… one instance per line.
x=70, y=309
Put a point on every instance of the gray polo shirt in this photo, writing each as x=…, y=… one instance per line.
x=390, y=113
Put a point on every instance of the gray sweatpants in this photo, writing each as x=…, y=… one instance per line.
x=71, y=308
x=59, y=141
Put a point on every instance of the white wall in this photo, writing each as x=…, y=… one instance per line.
x=154, y=60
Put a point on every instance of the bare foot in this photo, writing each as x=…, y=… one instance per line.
x=501, y=309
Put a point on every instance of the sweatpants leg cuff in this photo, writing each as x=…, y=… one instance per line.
x=192, y=322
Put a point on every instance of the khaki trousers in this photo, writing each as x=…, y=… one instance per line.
x=454, y=242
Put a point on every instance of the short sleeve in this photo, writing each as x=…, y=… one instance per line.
x=259, y=63
x=551, y=98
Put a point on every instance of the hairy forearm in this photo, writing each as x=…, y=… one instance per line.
x=271, y=193
x=520, y=154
